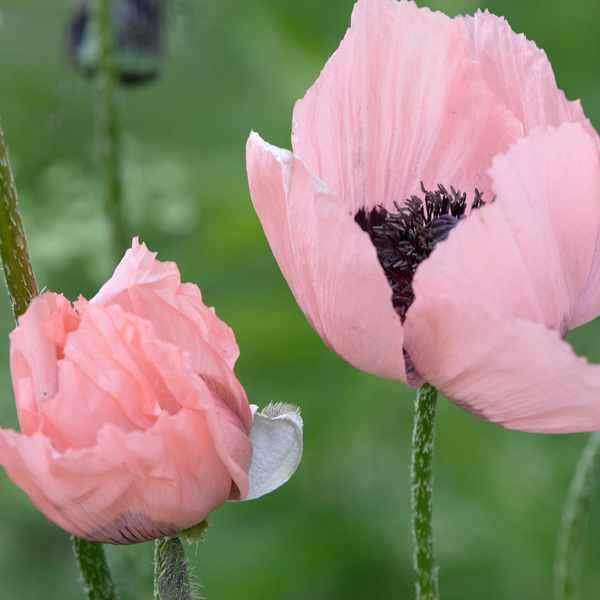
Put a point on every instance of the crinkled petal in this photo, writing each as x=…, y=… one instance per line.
x=115, y=371
x=153, y=290
x=521, y=74
x=399, y=103
x=533, y=253
x=277, y=448
x=501, y=368
x=132, y=486
x=329, y=262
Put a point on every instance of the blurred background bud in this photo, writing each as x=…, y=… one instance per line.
x=139, y=27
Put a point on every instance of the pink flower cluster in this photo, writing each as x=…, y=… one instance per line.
x=414, y=96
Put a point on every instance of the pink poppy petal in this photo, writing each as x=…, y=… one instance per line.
x=269, y=170
x=521, y=74
x=131, y=486
x=232, y=444
x=111, y=362
x=399, y=103
x=34, y=352
x=329, y=262
x=26, y=460
x=530, y=253
x=153, y=290
x=503, y=369
x=558, y=172
x=126, y=376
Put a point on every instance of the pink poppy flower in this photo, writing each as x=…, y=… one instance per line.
x=133, y=424
x=413, y=98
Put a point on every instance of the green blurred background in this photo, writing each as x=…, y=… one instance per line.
x=340, y=529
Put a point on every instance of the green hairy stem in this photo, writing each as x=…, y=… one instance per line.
x=171, y=576
x=14, y=253
x=422, y=494
x=96, y=579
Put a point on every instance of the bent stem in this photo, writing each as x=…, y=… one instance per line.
x=22, y=289
x=96, y=579
x=108, y=126
x=422, y=494
x=567, y=569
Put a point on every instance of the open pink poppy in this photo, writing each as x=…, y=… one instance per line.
x=413, y=96
x=133, y=424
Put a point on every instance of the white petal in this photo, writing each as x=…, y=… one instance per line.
x=277, y=439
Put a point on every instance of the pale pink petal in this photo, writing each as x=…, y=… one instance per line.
x=521, y=74
x=399, y=103
x=533, y=253
x=501, y=368
x=153, y=290
x=112, y=362
x=232, y=444
x=329, y=262
x=33, y=355
x=130, y=487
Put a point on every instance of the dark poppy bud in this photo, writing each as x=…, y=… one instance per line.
x=139, y=31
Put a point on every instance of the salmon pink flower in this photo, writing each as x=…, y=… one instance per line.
x=133, y=424
x=410, y=281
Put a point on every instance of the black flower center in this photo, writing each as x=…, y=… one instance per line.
x=408, y=236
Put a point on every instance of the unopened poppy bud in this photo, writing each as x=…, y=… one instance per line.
x=139, y=39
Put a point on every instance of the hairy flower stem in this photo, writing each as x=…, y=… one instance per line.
x=96, y=579
x=22, y=289
x=171, y=576
x=567, y=570
x=108, y=126
x=14, y=253
x=422, y=494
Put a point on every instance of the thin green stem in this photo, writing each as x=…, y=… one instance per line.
x=171, y=576
x=108, y=126
x=567, y=568
x=422, y=494
x=96, y=579
x=14, y=253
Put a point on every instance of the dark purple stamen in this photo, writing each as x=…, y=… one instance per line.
x=407, y=237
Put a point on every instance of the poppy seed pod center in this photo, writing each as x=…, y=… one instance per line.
x=407, y=237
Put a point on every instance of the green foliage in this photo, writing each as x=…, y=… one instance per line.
x=340, y=528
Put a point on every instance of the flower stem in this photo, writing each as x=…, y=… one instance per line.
x=422, y=494
x=171, y=576
x=97, y=582
x=567, y=570
x=108, y=126
x=14, y=253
